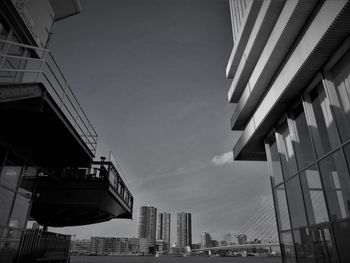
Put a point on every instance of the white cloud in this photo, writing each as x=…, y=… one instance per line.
x=222, y=159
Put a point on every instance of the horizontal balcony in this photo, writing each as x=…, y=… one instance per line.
x=82, y=196
x=325, y=33
x=35, y=94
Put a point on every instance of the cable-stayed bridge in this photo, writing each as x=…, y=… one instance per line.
x=260, y=231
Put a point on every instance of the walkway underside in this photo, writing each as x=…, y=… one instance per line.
x=76, y=203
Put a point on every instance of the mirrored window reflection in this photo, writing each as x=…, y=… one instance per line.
x=296, y=204
x=313, y=195
x=285, y=148
x=19, y=212
x=11, y=172
x=323, y=245
x=336, y=182
x=340, y=95
x=321, y=121
x=301, y=137
x=304, y=245
x=288, y=246
x=274, y=161
x=341, y=232
x=281, y=206
x=6, y=199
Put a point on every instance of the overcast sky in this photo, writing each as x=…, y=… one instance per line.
x=151, y=77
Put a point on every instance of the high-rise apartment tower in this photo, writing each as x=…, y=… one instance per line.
x=184, y=229
x=163, y=228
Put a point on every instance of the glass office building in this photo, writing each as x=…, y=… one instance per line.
x=290, y=67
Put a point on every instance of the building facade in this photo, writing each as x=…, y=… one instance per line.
x=47, y=142
x=147, y=223
x=205, y=240
x=290, y=70
x=184, y=230
x=163, y=229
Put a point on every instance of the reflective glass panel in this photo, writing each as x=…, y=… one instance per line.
x=27, y=182
x=301, y=137
x=323, y=245
x=19, y=214
x=340, y=95
x=336, y=182
x=285, y=148
x=11, y=172
x=6, y=199
x=295, y=202
x=342, y=237
x=304, y=245
x=288, y=246
x=313, y=195
x=274, y=161
x=281, y=205
x=321, y=121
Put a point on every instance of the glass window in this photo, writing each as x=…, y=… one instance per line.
x=19, y=214
x=315, y=203
x=285, y=148
x=336, y=182
x=340, y=95
x=288, y=247
x=282, y=209
x=295, y=202
x=321, y=121
x=301, y=137
x=27, y=182
x=6, y=199
x=323, y=245
x=342, y=237
x=304, y=245
x=11, y=172
x=274, y=161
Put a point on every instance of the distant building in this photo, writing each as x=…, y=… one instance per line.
x=205, y=240
x=196, y=246
x=163, y=229
x=184, y=230
x=214, y=243
x=223, y=243
x=80, y=246
x=227, y=238
x=147, y=223
x=241, y=239
x=146, y=246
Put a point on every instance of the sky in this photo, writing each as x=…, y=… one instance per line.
x=151, y=78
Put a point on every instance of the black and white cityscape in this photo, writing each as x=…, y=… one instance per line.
x=142, y=131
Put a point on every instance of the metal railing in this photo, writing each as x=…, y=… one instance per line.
x=20, y=63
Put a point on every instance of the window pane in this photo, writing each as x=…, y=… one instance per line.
x=313, y=195
x=6, y=199
x=274, y=161
x=342, y=237
x=11, y=172
x=340, y=95
x=336, y=182
x=27, y=182
x=304, y=245
x=295, y=202
x=18, y=217
x=323, y=245
x=287, y=246
x=281, y=206
x=321, y=121
x=301, y=137
x=285, y=148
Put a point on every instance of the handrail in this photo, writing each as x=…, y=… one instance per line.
x=35, y=64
